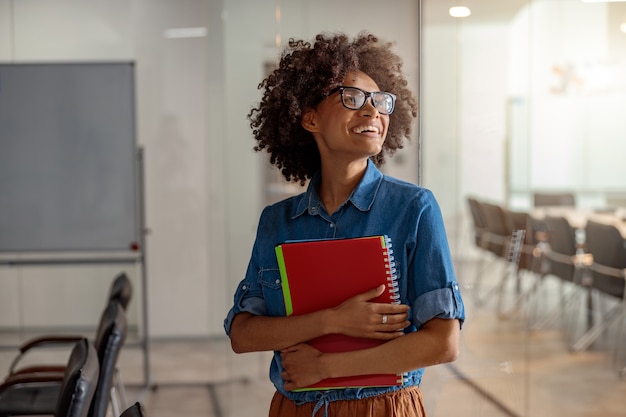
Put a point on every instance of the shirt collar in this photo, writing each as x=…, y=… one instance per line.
x=362, y=196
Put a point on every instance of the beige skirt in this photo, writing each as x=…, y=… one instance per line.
x=406, y=402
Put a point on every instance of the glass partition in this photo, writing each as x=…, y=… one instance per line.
x=521, y=99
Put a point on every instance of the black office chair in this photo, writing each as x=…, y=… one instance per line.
x=108, y=342
x=80, y=382
x=497, y=234
x=121, y=290
x=522, y=220
x=496, y=240
x=561, y=262
x=608, y=280
x=74, y=394
x=523, y=259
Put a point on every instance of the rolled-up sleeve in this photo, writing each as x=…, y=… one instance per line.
x=443, y=303
x=244, y=301
x=249, y=296
x=433, y=290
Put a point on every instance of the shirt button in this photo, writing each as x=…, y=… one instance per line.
x=332, y=225
x=243, y=287
x=278, y=281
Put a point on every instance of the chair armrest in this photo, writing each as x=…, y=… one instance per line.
x=50, y=341
x=608, y=270
x=39, y=369
x=43, y=342
x=15, y=381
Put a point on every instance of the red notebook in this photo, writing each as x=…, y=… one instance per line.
x=319, y=274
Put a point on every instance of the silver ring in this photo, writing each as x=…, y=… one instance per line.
x=384, y=319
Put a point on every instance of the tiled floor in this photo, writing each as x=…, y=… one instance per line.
x=504, y=370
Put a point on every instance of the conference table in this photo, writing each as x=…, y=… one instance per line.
x=578, y=217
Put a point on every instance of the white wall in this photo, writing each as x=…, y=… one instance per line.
x=172, y=108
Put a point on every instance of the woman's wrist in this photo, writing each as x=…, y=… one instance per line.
x=327, y=322
x=326, y=368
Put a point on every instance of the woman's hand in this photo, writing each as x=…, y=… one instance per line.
x=359, y=317
x=302, y=366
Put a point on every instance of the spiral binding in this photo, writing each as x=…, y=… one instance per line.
x=392, y=274
x=393, y=287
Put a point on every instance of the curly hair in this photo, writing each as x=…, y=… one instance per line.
x=305, y=75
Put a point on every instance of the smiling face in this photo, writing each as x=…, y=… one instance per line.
x=345, y=135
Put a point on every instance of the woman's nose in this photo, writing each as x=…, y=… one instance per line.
x=369, y=109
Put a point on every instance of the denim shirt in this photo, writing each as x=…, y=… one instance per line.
x=379, y=205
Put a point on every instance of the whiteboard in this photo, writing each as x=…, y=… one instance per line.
x=68, y=179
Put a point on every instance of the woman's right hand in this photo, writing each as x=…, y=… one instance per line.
x=360, y=317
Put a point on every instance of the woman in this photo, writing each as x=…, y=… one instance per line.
x=330, y=114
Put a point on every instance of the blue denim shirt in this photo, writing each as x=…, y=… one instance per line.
x=380, y=205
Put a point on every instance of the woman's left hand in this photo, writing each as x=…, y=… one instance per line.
x=302, y=366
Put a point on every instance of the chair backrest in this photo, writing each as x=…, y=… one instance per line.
x=110, y=338
x=478, y=224
x=121, y=290
x=497, y=233
x=562, y=240
x=79, y=381
x=607, y=246
x=135, y=410
x=554, y=199
x=521, y=220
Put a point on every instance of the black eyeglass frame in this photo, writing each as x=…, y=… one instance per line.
x=367, y=94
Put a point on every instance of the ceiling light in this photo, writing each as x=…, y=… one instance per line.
x=603, y=1
x=460, y=11
x=194, y=32
x=622, y=27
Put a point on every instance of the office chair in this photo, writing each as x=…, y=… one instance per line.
x=497, y=235
x=495, y=239
x=562, y=262
x=608, y=279
x=121, y=290
x=108, y=343
x=74, y=394
x=521, y=220
x=523, y=262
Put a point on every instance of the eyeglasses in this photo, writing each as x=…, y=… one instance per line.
x=354, y=98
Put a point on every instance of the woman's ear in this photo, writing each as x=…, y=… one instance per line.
x=309, y=121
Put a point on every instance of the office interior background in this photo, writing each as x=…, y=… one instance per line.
x=521, y=96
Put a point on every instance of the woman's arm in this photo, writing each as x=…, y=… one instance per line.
x=436, y=342
x=355, y=317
